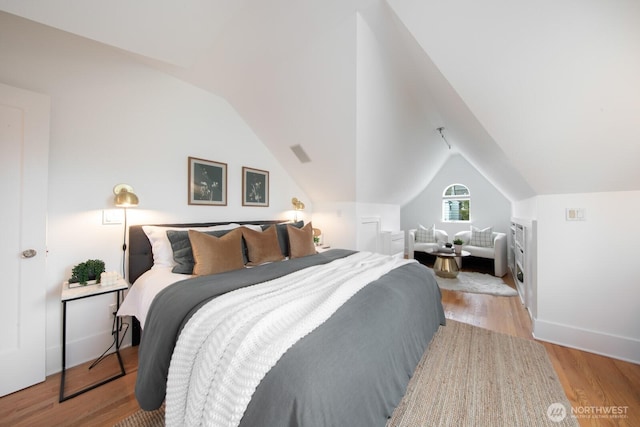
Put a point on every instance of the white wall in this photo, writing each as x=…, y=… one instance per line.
x=489, y=208
x=526, y=208
x=589, y=274
x=389, y=214
x=388, y=124
x=114, y=120
x=339, y=221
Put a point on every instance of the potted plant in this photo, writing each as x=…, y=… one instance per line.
x=457, y=245
x=87, y=271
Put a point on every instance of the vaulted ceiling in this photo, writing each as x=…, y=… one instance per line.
x=541, y=97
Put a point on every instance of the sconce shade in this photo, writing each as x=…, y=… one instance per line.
x=297, y=204
x=125, y=197
x=317, y=232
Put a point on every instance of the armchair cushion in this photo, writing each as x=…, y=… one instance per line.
x=425, y=235
x=440, y=238
x=482, y=238
x=497, y=251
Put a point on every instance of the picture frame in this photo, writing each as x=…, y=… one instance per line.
x=207, y=182
x=255, y=187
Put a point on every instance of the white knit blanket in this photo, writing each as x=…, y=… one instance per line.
x=231, y=343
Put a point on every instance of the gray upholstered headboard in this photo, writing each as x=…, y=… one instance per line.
x=141, y=257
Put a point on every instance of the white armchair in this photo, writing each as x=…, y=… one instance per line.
x=441, y=238
x=498, y=252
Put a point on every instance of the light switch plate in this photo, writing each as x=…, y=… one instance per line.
x=575, y=214
x=112, y=216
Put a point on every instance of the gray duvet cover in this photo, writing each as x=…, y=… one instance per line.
x=351, y=371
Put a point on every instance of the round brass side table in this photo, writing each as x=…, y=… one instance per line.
x=446, y=264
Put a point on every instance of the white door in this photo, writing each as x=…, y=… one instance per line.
x=24, y=152
x=369, y=234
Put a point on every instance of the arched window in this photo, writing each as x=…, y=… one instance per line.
x=455, y=203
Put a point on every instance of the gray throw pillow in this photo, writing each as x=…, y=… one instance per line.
x=283, y=234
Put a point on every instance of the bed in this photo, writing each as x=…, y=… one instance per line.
x=321, y=339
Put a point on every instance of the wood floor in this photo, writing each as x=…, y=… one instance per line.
x=590, y=381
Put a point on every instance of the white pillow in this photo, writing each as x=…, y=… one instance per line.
x=482, y=238
x=426, y=235
x=161, y=246
x=255, y=227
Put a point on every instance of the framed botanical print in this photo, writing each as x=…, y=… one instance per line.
x=255, y=187
x=207, y=182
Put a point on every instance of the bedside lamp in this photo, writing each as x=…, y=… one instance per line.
x=125, y=198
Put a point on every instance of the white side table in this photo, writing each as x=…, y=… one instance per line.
x=72, y=294
x=393, y=243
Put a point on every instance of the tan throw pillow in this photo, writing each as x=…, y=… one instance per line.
x=301, y=241
x=216, y=254
x=262, y=246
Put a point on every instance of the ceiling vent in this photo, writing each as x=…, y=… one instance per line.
x=300, y=153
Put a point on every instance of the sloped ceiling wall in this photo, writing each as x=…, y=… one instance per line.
x=402, y=99
x=173, y=32
x=396, y=116
x=301, y=94
x=539, y=97
x=555, y=84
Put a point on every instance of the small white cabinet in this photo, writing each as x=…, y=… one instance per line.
x=392, y=243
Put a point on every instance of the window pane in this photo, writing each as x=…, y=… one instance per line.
x=455, y=203
x=456, y=190
x=464, y=210
x=455, y=210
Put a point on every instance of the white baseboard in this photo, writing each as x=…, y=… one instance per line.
x=617, y=347
x=82, y=350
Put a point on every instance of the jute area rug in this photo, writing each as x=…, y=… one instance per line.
x=468, y=376
x=478, y=283
x=471, y=376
